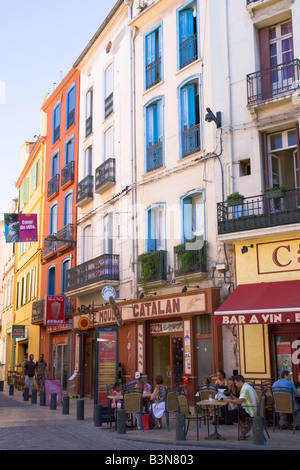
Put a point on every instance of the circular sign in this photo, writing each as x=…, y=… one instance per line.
x=108, y=292
x=84, y=323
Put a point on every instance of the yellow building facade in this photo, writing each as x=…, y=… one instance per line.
x=28, y=255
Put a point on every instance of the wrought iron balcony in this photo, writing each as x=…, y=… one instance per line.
x=102, y=268
x=190, y=140
x=259, y=212
x=109, y=105
x=65, y=238
x=251, y=1
x=188, y=51
x=105, y=175
x=153, y=73
x=273, y=82
x=53, y=187
x=85, y=191
x=154, y=157
x=152, y=267
x=190, y=261
x=67, y=174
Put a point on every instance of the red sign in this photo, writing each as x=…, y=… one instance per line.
x=108, y=357
x=258, y=318
x=55, y=309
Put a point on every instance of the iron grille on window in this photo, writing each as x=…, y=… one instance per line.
x=154, y=156
x=105, y=173
x=53, y=186
x=188, y=51
x=109, y=105
x=190, y=139
x=88, y=126
x=153, y=73
x=67, y=173
x=85, y=189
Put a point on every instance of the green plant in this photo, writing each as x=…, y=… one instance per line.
x=283, y=187
x=189, y=261
x=149, y=267
x=235, y=196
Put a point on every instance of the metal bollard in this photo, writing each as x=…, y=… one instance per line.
x=98, y=415
x=66, y=405
x=42, y=398
x=180, y=427
x=121, y=422
x=11, y=389
x=26, y=394
x=1, y=385
x=80, y=409
x=258, y=430
x=34, y=396
x=53, y=399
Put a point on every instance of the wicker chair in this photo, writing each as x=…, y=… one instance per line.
x=171, y=406
x=283, y=403
x=133, y=402
x=189, y=414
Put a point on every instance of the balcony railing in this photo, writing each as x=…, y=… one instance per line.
x=154, y=156
x=190, y=139
x=251, y=1
x=67, y=174
x=85, y=191
x=105, y=175
x=259, y=212
x=152, y=267
x=189, y=261
x=273, y=82
x=188, y=51
x=153, y=73
x=102, y=268
x=109, y=105
x=65, y=237
x=53, y=186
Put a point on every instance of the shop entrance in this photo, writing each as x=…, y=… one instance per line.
x=167, y=358
x=285, y=347
x=88, y=372
x=61, y=364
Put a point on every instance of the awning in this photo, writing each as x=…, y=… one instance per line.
x=266, y=302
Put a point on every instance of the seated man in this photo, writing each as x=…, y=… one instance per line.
x=248, y=402
x=285, y=382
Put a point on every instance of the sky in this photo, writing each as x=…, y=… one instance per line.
x=39, y=42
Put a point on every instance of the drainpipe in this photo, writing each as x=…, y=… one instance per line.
x=229, y=98
x=134, y=243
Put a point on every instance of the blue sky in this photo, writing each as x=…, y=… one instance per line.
x=39, y=42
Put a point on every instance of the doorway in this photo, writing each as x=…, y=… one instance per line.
x=285, y=349
x=167, y=358
x=88, y=372
x=61, y=364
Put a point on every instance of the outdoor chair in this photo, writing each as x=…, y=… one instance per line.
x=109, y=390
x=283, y=403
x=171, y=406
x=133, y=402
x=189, y=414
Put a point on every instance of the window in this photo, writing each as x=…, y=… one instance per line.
x=109, y=91
x=69, y=154
x=89, y=113
x=108, y=234
x=154, y=135
x=68, y=208
x=193, y=217
x=65, y=265
x=53, y=218
x=187, y=33
x=55, y=165
x=51, y=281
x=70, y=117
x=34, y=176
x=283, y=159
x=109, y=143
x=156, y=230
x=190, y=128
x=56, y=122
x=153, y=63
x=88, y=162
x=87, y=243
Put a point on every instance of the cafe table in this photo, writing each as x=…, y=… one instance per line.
x=216, y=405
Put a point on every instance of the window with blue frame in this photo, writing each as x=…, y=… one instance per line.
x=69, y=153
x=70, y=112
x=193, y=217
x=156, y=228
x=68, y=208
x=56, y=123
x=51, y=280
x=65, y=265
x=53, y=218
x=187, y=34
x=190, y=127
x=55, y=164
x=154, y=135
x=153, y=59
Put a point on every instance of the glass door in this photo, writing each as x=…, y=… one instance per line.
x=61, y=364
x=286, y=354
x=167, y=359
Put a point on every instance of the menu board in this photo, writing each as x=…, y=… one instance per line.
x=107, y=354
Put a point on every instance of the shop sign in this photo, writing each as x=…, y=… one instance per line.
x=84, y=323
x=167, y=327
x=18, y=331
x=258, y=318
x=55, y=309
x=276, y=257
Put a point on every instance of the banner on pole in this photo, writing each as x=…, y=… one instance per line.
x=20, y=228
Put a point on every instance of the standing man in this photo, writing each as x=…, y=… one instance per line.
x=249, y=403
x=29, y=369
x=41, y=370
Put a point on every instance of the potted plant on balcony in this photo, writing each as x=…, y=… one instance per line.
x=149, y=267
x=235, y=199
x=275, y=191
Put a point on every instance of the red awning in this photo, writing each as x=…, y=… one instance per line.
x=266, y=302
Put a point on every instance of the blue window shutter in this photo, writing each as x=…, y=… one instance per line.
x=186, y=25
x=151, y=231
x=69, y=151
x=188, y=107
x=51, y=281
x=55, y=165
x=187, y=219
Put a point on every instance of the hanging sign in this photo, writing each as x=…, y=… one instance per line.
x=84, y=323
x=20, y=228
x=18, y=331
x=55, y=309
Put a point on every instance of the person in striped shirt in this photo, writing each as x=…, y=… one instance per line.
x=249, y=404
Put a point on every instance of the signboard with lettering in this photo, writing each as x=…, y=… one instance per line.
x=20, y=228
x=258, y=318
x=55, y=309
x=18, y=331
x=275, y=257
x=107, y=361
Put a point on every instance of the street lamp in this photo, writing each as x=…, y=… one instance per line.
x=210, y=116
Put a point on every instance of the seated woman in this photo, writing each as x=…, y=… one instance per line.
x=158, y=397
x=142, y=383
x=221, y=382
x=117, y=391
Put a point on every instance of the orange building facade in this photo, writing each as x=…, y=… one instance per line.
x=59, y=221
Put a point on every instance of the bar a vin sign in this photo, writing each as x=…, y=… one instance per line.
x=258, y=318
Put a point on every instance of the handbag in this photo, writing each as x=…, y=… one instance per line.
x=147, y=421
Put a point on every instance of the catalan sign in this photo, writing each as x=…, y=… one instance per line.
x=18, y=331
x=20, y=228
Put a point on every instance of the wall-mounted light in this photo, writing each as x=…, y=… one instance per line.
x=245, y=248
x=185, y=288
x=142, y=295
x=210, y=116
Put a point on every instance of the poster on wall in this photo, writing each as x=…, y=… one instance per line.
x=20, y=228
x=107, y=361
x=55, y=310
